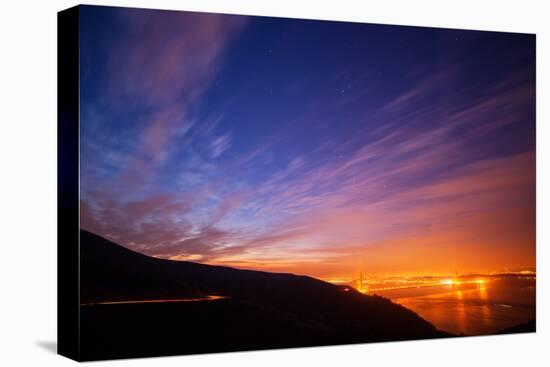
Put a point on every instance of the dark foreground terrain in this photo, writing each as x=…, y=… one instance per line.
x=528, y=327
x=259, y=310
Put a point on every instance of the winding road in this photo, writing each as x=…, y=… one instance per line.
x=198, y=299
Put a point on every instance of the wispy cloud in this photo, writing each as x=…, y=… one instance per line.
x=158, y=67
x=430, y=168
x=220, y=145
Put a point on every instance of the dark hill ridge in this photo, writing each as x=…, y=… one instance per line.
x=112, y=272
x=262, y=310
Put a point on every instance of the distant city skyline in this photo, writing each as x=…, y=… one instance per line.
x=312, y=147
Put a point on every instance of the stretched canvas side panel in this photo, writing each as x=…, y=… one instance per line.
x=68, y=183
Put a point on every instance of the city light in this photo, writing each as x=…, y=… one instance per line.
x=373, y=284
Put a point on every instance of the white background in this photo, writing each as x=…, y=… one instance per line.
x=28, y=183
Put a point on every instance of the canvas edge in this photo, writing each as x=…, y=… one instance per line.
x=68, y=334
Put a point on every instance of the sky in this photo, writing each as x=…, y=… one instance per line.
x=311, y=147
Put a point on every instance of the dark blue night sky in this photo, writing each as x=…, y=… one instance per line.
x=313, y=147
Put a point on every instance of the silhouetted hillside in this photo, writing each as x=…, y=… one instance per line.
x=528, y=327
x=262, y=310
x=112, y=272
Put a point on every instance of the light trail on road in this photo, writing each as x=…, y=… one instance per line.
x=198, y=299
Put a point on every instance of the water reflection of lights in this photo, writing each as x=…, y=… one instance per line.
x=483, y=292
x=479, y=305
